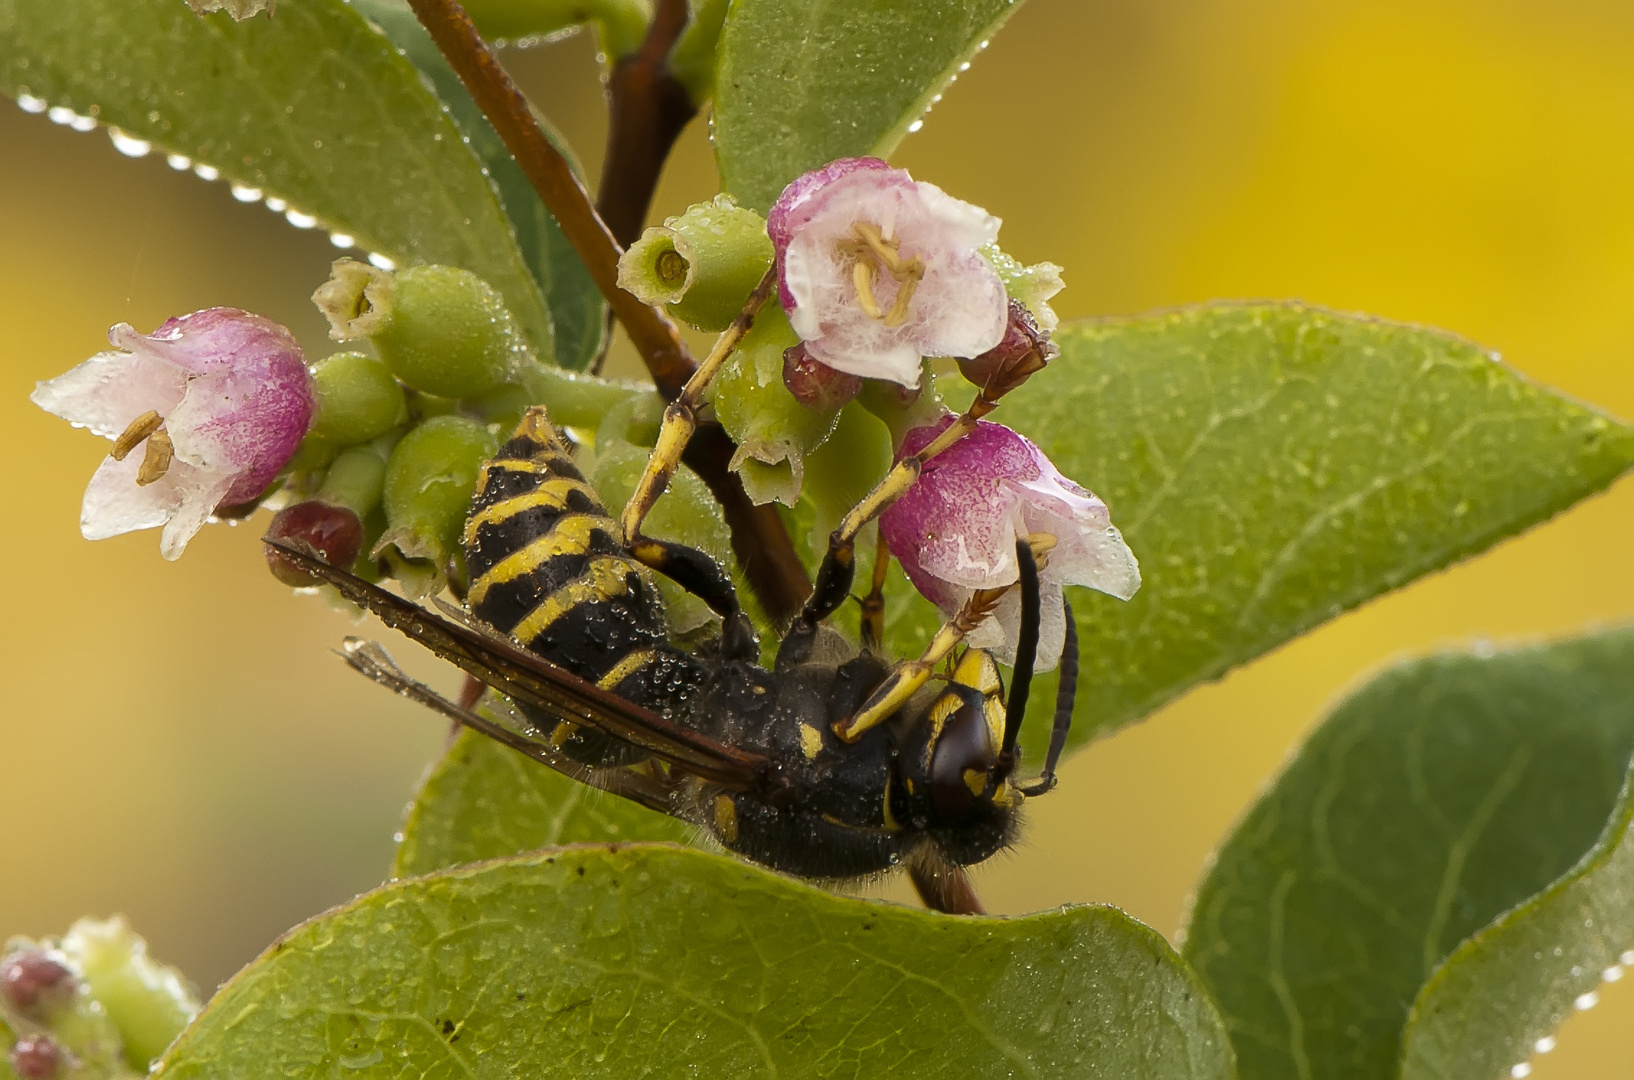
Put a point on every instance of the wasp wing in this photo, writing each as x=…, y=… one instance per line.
x=532, y=680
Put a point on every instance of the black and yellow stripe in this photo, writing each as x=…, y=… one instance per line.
x=547, y=566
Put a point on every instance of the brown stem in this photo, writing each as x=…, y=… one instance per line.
x=648, y=108
x=944, y=887
x=758, y=536
x=653, y=335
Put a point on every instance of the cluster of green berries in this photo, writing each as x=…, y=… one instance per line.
x=90, y=1005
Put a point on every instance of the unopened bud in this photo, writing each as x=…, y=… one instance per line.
x=333, y=533
x=1032, y=285
x=148, y=1002
x=1023, y=352
x=701, y=265
x=358, y=399
x=32, y=982
x=440, y=329
x=36, y=1057
x=430, y=479
x=814, y=384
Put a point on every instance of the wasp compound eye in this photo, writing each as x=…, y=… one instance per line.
x=960, y=759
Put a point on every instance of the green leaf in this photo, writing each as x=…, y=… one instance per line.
x=664, y=962
x=577, y=310
x=1436, y=799
x=802, y=82
x=483, y=800
x=310, y=106
x=1513, y=982
x=1272, y=465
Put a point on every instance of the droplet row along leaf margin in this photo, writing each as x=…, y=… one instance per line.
x=312, y=106
x=800, y=83
x=1454, y=832
x=660, y=961
x=1272, y=465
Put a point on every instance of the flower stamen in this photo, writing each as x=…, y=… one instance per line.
x=157, y=458
x=862, y=276
x=913, y=273
x=138, y=430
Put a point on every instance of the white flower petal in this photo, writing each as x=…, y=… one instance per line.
x=114, y=503
x=111, y=389
x=200, y=497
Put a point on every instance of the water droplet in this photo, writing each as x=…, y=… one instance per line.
x=915, y=126
x=129, y=145
x=397, y=837
x=341, y=240
x=1483, y=648
x=936, y=99
x=206, y=172
x=1521, y=1071
x=1627, y=959
x=277, y=206
x=1545, y=1044
x=30, y=104
x=382, y=262
x=244, y=193
x=1612, y=973
x=983, y=45
x=300, y=220
x=178, y=162
x=60, y=114
x=83, y=123
x=362, y=1061
x=965, y=66
x=1585, y=1002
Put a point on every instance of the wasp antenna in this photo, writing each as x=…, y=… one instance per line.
x=1015, y=708
x=1066, y=699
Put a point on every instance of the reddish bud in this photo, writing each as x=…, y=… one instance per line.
x=36, y=1057
x=1023, y=352
x=334, y=533
x=814, y=384
x=31, y=982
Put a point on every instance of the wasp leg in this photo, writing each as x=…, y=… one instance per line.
x=1066, y=697
x=908, y=676
x=369, y=659
x=873, y=605
x=681, y=415
x=702, y=576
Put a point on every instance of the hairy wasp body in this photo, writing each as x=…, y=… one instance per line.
x=547, y=569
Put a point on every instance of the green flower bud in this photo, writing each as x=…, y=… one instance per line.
x=774, y=432
x=1032, y=285
x=702, y=265
x=440, y=329
x=147, y=1001
x=429, y=482
x=356, y=480
x=358, y=399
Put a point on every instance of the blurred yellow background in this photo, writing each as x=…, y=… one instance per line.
x=177, y=743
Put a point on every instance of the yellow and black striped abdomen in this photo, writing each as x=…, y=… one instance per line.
x=545, y=561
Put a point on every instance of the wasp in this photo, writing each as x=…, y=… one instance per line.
x=832, y=764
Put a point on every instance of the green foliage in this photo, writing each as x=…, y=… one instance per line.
x=661, y=961
x=484, y=800
x=312, y=107
x=1433, y=801
x=802, y=82
x=577, y=310
x=1274, y=465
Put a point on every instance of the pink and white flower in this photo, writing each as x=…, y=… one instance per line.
x=877, y=270
x=955, y=531
x=203, y=412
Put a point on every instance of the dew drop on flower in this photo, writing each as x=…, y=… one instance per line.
x=30, y=104
x=300, y=220
x=179, y=162
x=206, y=172
x=246, y=194
x=129, y=145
